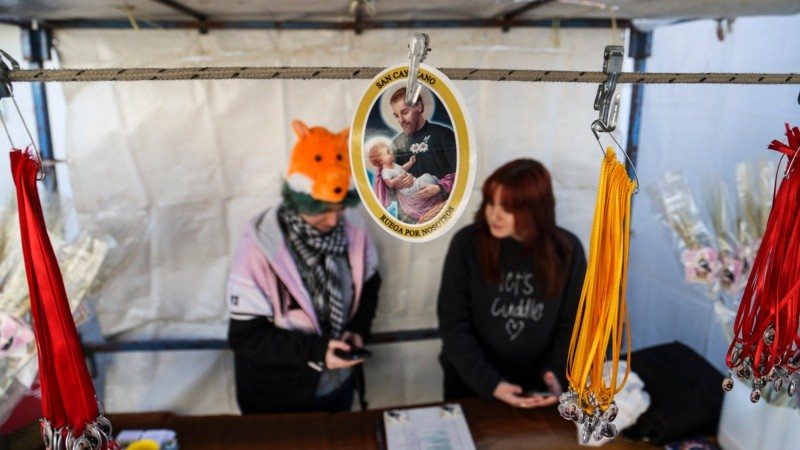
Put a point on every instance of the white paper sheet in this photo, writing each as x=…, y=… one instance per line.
x=432, y=428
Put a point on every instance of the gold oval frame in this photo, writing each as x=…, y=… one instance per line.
x=455, y=105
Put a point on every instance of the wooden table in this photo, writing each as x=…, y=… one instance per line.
x=492, y=424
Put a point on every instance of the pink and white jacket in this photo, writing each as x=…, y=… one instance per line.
x=273, y=329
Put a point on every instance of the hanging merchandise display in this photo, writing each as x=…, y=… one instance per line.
x=602, y=316
x=72, y=420
x=412, y=149
x=72, y=416
x=766, y=343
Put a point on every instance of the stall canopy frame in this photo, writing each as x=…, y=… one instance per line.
x=37, y=44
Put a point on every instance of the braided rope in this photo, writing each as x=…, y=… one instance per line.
x=348, y=73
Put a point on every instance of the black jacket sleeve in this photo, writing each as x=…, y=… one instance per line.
x=562, y=333
x=459, y=343
x=260, y=340
x=361, y=323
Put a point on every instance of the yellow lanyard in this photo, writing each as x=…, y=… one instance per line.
x=602, y=312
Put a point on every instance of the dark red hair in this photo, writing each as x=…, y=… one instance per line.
x=527, y=193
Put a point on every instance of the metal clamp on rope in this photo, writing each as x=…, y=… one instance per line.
x=417, y=51
x=6, y=92
x=5, y=80
x=605, y=101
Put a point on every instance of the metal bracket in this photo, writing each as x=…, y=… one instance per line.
x=7, y=92
x=605, y=101
x=5, y=81
x=417, y=51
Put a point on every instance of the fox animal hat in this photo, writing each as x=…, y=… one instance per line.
x=319, y=170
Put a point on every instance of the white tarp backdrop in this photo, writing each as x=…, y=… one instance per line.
x=201, y=157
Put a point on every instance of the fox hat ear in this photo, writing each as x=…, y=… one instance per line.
x=344, y=134
x=300, y=129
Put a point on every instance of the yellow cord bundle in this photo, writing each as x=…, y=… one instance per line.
x=602, y=313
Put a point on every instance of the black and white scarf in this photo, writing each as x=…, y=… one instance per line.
x=316, y=254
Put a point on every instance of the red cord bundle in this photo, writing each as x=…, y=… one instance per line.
x=69, y=405
x=766, y=344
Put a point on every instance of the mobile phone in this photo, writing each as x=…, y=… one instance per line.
x=353, y=354
x=537, y=394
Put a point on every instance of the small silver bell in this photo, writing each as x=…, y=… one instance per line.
x=572, y=411
x=778, y=383
x=69, y=441
x=772, y=374
x=792, y=389
x=599, y=431
x=565, y=410
x=769, y=335
x=81, y=443
x=755, y=396
x=58, y=440
x=589, y=427
x=610, y=431
x=94, y=437
x=727, y=384
x=611, y=412
x=795, y=359
x=47, y=434
x=586, y=433
x=104, y=425
x=743, y=372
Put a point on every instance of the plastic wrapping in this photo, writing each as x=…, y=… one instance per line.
x=103, y=244
x=720, y=257
x=18, y=363
x=756, y=184
x=99, y=246
x=728, y=281
x=119, y=233
x=677, y=210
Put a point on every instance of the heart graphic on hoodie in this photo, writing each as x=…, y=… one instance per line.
x=514, y=327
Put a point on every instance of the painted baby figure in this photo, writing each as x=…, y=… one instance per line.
x=380, y=155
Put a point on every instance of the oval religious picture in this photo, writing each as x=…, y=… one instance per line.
x=413, y=164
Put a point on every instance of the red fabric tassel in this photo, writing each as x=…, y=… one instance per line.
x=68, y=395
x=793, y=139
